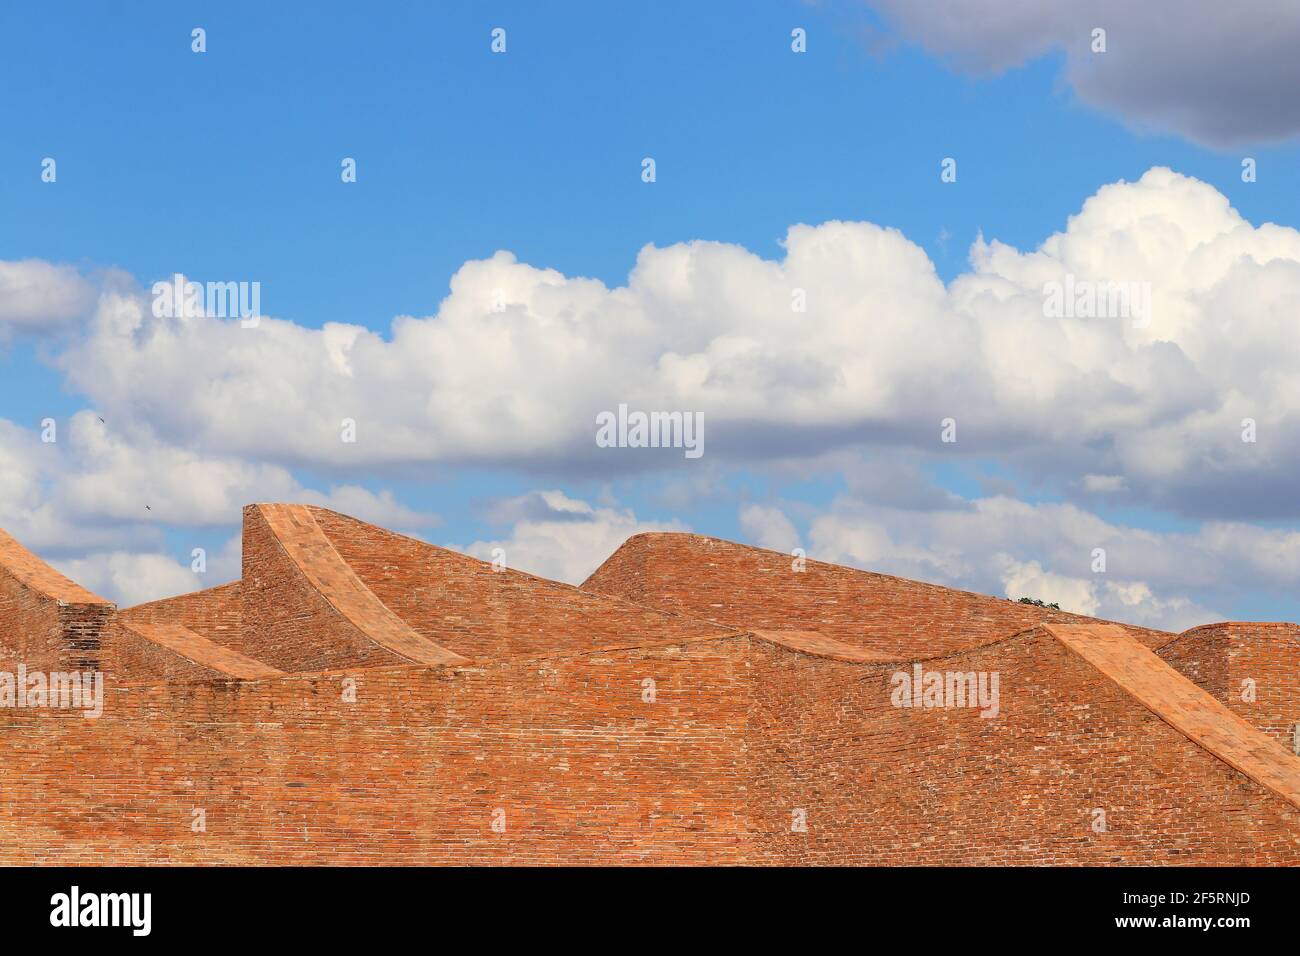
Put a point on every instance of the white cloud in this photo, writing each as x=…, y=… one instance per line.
x=97, y=506
x=1028, y=579
x=769, y=528
x=1103, y=484
x=883, y=353
x=36, y=296
x=92, y=474
x=562, y=538
x=130, y=578
x=203, y=416
x=1219, y=73
x=999, y=545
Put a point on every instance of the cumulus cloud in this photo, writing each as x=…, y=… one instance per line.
x=769, y=527
x=90, y=474
x=98, y=506
x=37, y=297
x=1218, y=73
x=1059, y=552
x=517, y=361
x=562, y=538
x=130, y=578
x=201, y=415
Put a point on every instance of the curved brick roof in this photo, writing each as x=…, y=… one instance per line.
x=466, y=605
x=747, y=587
x=311, y=552
x=36, y=575
x=1276, y=630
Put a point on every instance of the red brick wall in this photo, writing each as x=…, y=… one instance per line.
x=288, y=772
x=460, y=603
x=1220, y=657
x=285, y=622
x=752, y=587
x=132, y=658
x=213, y=612
x=30, y=630
x=38, y=631
x=740, y=734
x=887, y=785
x=1201, y=655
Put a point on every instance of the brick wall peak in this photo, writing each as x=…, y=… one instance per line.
x=749, y=587
x=31, y=572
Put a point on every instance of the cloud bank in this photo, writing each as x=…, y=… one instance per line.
x=848, y=345
x=517, y=362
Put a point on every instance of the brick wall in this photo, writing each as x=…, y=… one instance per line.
x=460, y=603
x=131, y=658
x=286, y=621
x=887, y=785
x=723, y=581
x=212, y=612
x=742, y=732
x=48, y=634
x=30, y=629
x=550, y=725
x=288, y=772
x=1221, y=657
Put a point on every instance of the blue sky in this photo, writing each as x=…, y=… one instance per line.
x=225, y=165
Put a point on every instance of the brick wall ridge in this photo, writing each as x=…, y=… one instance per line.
x=33, y=573
x=1282, y=626
x=593, y=598
x=1183, y=705
x=1284, y=629
x=634, y=550
x=312, y=555
x=198, y=649
x=815, y=644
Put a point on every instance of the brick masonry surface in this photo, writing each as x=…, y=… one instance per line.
x=696, y=702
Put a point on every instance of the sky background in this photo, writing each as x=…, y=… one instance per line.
x=521, y=171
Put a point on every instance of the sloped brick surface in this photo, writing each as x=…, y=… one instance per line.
x=47, y=622
x=466, y=606
x=750, y=587
x=1253, y=668
x=1184, y=706
x=174, y=652
x=305, y=609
